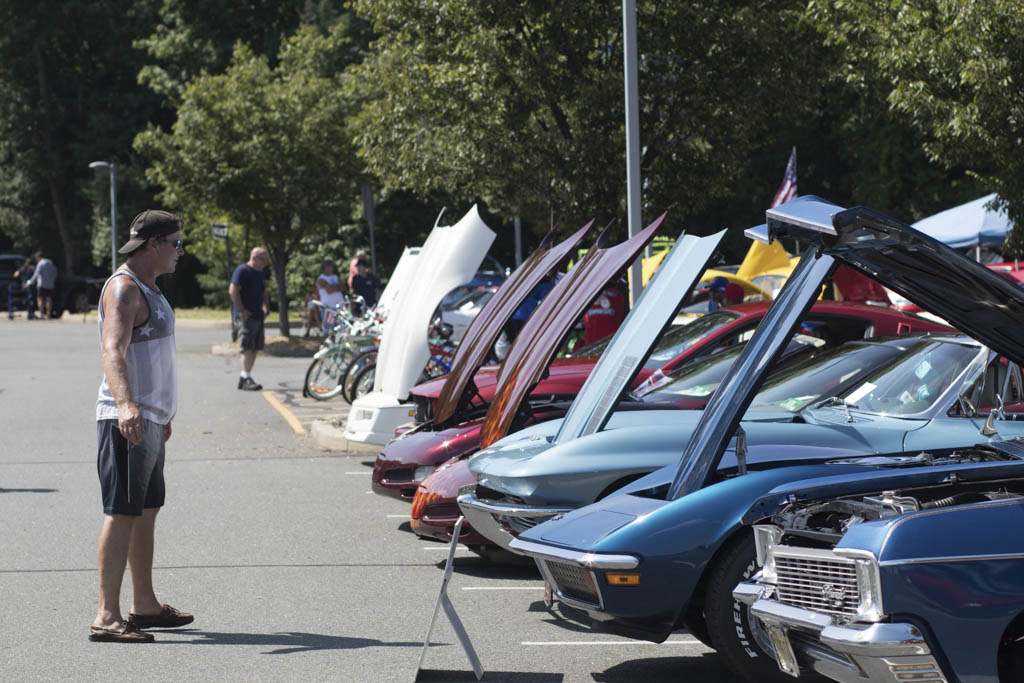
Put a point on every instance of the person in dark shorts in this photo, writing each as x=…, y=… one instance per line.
x=248, y=292
x=137, y=400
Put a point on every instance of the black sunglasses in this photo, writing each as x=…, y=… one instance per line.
x=177, y=245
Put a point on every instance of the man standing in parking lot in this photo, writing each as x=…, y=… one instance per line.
x=137, y=401
x=45, y=282
x=248, y=292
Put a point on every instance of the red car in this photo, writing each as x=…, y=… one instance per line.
x=404, y=462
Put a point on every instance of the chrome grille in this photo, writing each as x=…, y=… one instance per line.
x=520, y=524
x=573, y=581
x=822, y=584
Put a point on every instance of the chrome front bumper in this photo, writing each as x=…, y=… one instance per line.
x=483, y=516
x=849, y=653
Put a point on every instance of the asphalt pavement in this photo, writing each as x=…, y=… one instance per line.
x=294, y=569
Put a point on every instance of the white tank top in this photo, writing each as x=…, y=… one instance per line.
x=329, y=299
x=151, y=358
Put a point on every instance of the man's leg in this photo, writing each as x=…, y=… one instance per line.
x=111, y=558
x=248, y=360
x=140, y=561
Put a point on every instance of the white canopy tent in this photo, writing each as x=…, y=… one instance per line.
x=967, y=225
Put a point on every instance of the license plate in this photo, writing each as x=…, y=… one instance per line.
x=548, y=599
x=784, y=654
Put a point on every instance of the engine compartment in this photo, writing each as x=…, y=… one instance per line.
x=821, y=524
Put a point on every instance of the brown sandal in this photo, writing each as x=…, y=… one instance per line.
x=125, y=632
x=167, y=617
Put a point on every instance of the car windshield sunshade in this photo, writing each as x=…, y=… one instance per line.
x=537, y=341
x=485, y=328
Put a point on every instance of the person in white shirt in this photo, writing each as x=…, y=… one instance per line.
x=45, y=282
x=330, y=290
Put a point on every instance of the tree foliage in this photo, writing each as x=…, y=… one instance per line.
x=955, y=70
x=68, y=77
x=266, y=146
x=521, y=103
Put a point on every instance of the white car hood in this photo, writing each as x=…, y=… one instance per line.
x=449, y=257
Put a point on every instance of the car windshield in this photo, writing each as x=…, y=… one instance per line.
x=826, y=375
x=700, y=378
x=682, y=337
x=913, y=382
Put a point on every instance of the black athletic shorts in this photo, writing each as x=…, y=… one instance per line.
x=251, y=335
x=131, y=476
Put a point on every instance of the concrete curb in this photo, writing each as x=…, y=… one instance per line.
x=330, y=436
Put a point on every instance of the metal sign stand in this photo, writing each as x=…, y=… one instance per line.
x=449, y=610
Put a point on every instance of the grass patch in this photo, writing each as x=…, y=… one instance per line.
x=203, y=313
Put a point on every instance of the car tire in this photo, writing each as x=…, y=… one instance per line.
x=78, y=302
x=729, y=626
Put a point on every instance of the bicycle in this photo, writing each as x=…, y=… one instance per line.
x=346, y=338
x=442, y=352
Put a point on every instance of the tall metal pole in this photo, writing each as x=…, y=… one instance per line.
x=113, y=217
x=632, y=139
x=112, y=167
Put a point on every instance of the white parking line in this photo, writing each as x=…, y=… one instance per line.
x=397, y=516
x=445, y=548
x=684, y=641
x=358, y=472
x=503, y=588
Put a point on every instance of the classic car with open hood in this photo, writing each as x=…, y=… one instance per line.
x=449, y=256
x=913, y=572
x=667, y=551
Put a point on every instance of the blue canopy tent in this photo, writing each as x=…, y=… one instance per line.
x=967, y=225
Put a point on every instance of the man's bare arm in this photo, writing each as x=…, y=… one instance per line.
x=123, y=303
x=236, y=298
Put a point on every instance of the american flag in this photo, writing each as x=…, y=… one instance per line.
x=787, y=190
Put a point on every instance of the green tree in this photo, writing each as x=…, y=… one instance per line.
x=266, y=146
x=70, y=96
x=521, y=103
x=954, y=69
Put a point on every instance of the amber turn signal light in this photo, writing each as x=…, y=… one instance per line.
x=622, y=579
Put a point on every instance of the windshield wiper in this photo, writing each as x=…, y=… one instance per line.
x=833, y=401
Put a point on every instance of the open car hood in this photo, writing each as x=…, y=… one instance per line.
x=633, y=341
x=487, y=325
x=921, y=269
x=449, y=257
x=539, y=337
x=400, y=278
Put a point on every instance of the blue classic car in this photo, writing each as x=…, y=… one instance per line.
x=667, y=551
x=908, y=573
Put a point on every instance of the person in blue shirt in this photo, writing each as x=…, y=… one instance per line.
x=248, y=292
x=716, y=292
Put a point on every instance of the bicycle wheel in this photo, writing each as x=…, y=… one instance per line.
x=348, y=378
x=323, y=378
x=363, y=382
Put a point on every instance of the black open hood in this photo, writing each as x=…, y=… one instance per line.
x=941, y=280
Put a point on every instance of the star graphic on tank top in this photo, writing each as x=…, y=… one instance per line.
x=145, y=331
x=160, y=315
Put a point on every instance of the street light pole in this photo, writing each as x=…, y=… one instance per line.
x=113, y=209
x=633, y=200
